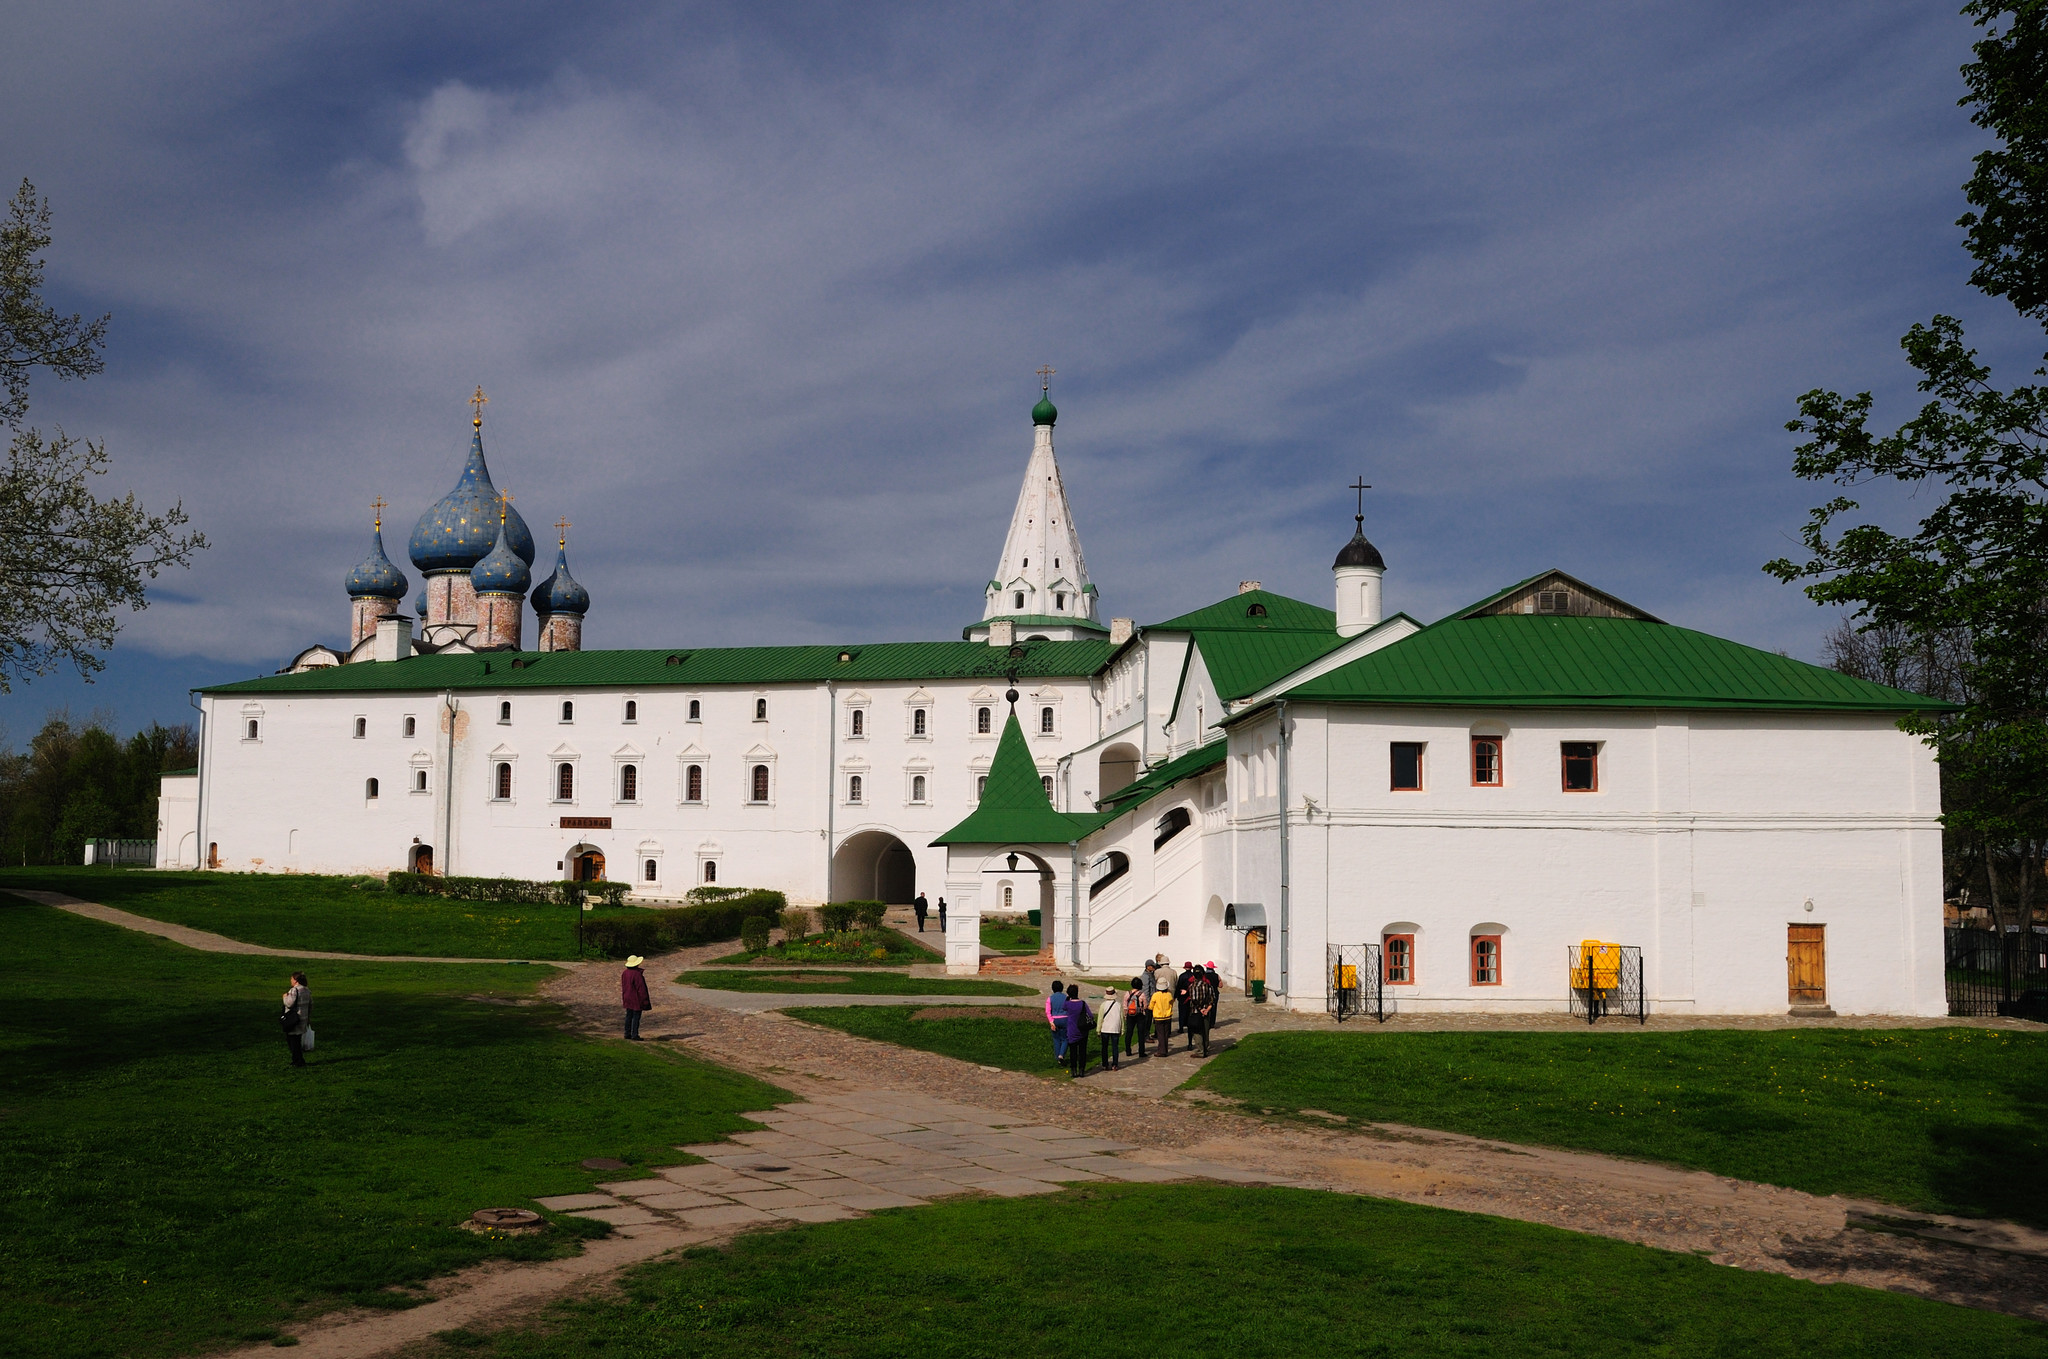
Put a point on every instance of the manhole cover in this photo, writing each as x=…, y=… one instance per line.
x=505, y=1217
x=604, y=1163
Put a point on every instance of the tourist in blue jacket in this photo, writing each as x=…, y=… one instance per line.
x=1056, y=1019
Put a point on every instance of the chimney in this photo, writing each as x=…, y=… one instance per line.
x=1245, y=587
x=1002, y=632
x=1119, y=631
x=394, y=639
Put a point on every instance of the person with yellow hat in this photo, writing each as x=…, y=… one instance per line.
x=633, y=995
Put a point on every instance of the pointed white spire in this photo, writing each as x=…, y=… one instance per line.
x=1041, y=580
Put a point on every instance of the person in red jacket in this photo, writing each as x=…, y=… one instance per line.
x=633, y=995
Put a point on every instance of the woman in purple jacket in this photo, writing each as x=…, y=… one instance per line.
x=633, y=995
x=1079, y=1020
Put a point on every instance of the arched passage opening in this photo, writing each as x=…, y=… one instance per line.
x=421, y=860
x=874, y=866
x=1118, y=768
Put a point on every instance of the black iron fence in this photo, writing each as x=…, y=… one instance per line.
x=1604, y=980
x=1992, y=973
x=1358, y=986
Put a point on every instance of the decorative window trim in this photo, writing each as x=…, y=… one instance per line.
x=421, y=763
x=708, y=855
x=755, y=757
x=1389, y=953
x=509, y=781
x=251, y=724
x=915, y=795
x=555, y=763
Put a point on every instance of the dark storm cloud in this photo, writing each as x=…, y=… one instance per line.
x=757, y=292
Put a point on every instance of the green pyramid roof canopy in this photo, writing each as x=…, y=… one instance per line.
x=1014, y=809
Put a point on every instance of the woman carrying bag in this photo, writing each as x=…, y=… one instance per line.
x=297, y=1019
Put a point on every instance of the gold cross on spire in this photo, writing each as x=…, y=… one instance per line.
x=479, y=401
x=377, y=507
x=1045, y=377
x=562, y=527
x=505, y=499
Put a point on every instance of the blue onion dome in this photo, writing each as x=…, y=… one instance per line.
x=419, y=606
x=461, y=528
x=560, y=593
x=501, y=572
x=375, y=577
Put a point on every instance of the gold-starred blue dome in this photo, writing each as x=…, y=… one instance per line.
x=375, y=577
x=560, y=593
x=501, y=572
x=460, y=529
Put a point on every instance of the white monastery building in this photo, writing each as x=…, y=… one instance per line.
x=1339, y=806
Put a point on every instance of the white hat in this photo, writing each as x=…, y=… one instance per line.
x=635, y=961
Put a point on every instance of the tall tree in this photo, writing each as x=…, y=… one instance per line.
x=69, y=561
x=1970, y=582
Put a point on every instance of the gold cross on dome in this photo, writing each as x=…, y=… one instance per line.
x=562, y=527
x=478, y=402
x=505, y=499
x=1045, y=377
x=377, y=507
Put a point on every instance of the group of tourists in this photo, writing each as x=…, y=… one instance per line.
x=1127, y=1022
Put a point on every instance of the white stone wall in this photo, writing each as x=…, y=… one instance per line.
x=177, y=821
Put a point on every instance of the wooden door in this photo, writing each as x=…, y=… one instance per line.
x=1254, y=958
x=1806, y=964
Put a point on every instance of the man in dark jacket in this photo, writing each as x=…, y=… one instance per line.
x=922, y=907
x=1202, y=993
x=633, y=995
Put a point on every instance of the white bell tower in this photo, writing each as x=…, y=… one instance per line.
x=1359, y=569
x=1041, y=584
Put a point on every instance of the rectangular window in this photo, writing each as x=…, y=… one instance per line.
x=1581, y=766
x=1399, y=952
x=917, y=721
x=1486, y=761
x=1407, y=762
x=1486, y=960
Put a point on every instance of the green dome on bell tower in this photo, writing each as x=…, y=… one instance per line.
x=1045, y=413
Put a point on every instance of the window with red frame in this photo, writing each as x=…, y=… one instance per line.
x=1398, y=951
x=1486, y=761
x=1486, y=960
x=1581, y=766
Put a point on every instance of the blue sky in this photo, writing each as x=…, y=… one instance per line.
x=757, y=292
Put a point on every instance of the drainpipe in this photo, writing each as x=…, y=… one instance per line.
x=1074, y=886
x=831, y=776
x=1285, y=942
x=448, y=790
x=199, y=811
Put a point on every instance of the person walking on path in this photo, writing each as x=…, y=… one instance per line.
x=1162, y=1016
x=297, y=1016
x=1079, y=1020
x=633, y=995
x=1202, y=991
x=922, y=907
x=942, y=915
x=1112, y=1028
x=1136, y=1017
x=1056, y=1020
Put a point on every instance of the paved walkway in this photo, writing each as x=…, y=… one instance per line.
x=208, y=942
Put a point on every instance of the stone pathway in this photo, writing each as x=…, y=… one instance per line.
x=208, y=942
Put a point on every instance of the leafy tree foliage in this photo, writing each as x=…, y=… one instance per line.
x=69, y=561
x=80, y=782
x=1960, y=604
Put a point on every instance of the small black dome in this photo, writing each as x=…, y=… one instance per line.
x=1359, y=552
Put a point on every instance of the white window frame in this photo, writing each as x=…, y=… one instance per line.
x=555, y=763
x=362, y=727
x=568, y=711
x=511, y=762
x=629, y=709
x=251, y=712
x=409, y=724
x=747, y=764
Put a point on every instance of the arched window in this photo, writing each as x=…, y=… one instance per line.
x=1255, y=611
x=1059, y=600
x=980, y=787
x=860, y=722
x=419, y=780
x=651, y=871
x=1045, y=720
x=362, y=727
x=252, y=729
x=568, y=711
x=696, y=711
x=1009, y=897
x=1045, y=782
x=693, y=783
x=370, y=788
x=1165, y=927
x=917, y=787
x=1107, y=870
x=504, y=712
x=917, y=721
x=853, y=786
x=1486, y=761
x=565, y=782
x=411, y=726
x=1019, y=597
x=760, y=710
x=629, y=783
x=1486, y=960
x=711, y=870
x=760, y=788
x=982, y=721
x=1399, y=952
x=632, y=710
x=1170, y=825
x=504, y=783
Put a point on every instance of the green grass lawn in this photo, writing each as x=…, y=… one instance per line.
x=847, y=984
x=1257, y=1273
x=332, y=915
x=1014, y=1045
x=169, y=1183
x=859, y=948
x=1010, y=936
x=1928, y=1118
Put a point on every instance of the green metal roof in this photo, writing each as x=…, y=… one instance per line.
x=1156, y=781
x=691, y=668
x=1039, y=620
x=1233, y=614
x=1014, y=809
x=1242, y=663
x=1545, y=661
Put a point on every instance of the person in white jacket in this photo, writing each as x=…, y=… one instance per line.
x=1111, y=1026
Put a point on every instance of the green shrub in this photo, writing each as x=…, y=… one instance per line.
x=754, y=933
x=697, y=896
x=868, y=914
x=659, y=931
x=837, y=916
x=795, y=922
x=510, y=891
